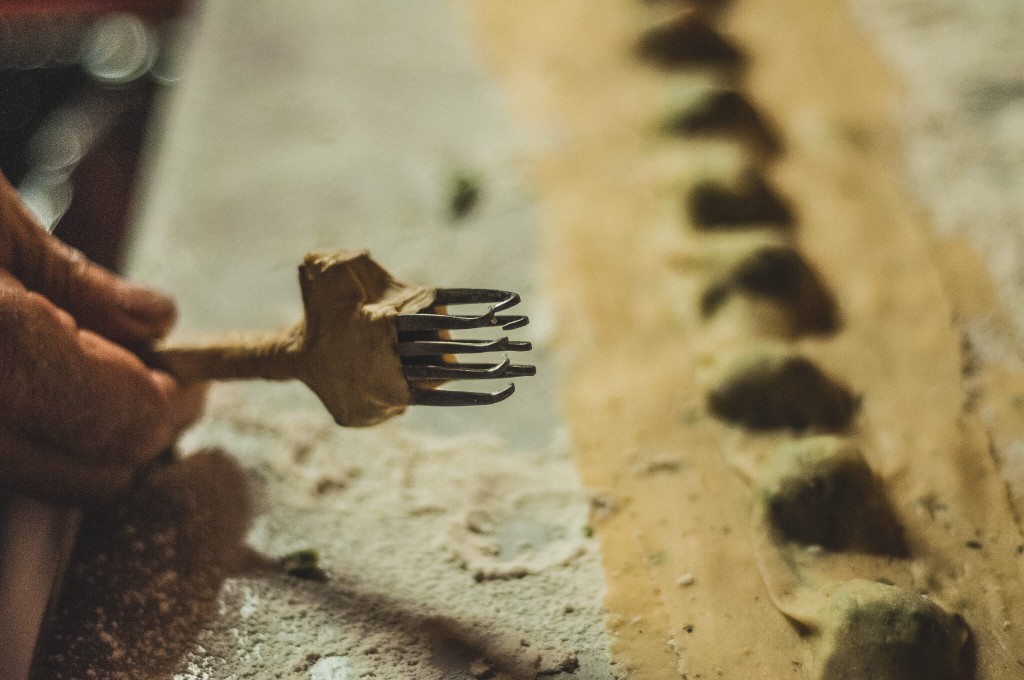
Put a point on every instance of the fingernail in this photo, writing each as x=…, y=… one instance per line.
x=145, y=303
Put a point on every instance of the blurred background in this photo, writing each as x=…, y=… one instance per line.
x=77, y=86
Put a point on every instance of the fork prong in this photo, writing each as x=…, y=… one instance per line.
x=513, y=370
x=501, y=299
x=511, y=322
x=460, y=371
x=520, y=371
x=428, y=397
x=421, y=321
x=419, y=348
x=424, y=350
x=456, y=371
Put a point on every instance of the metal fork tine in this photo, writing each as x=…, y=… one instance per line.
x=428, y=397
x=512, y=300
x=456, y=371
x=438, y=372
x=419, y=348
x=468, y=371
x=513, y=370
x=423, y=349
x=520, y=371
x=437, y=322
x=502, y=299
x=509, y=323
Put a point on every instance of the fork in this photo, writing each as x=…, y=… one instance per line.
x=369, y=345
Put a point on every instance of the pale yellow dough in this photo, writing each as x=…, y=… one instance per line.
x=344, y=349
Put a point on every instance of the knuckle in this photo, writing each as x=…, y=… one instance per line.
x=9, y=315
x=37, y=358
x=26, y=313
x=146, y=426
x=15, y=323
x=39, y=308
x=62, y=265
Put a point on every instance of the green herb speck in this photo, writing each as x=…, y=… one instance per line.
x=463, y=194
x=304, y=564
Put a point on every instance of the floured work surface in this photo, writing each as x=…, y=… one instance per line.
x=438, y=557
x=798, y=452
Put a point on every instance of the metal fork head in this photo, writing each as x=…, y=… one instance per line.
x=428, y=352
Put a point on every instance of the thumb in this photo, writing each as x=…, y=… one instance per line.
x=97, y=298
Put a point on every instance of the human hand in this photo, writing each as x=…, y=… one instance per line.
x=79, y=413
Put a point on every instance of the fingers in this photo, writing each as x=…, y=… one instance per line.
x=186, y=403
x=30, y=468
x=133, y=413
x=99, y=300
x=76, y=391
